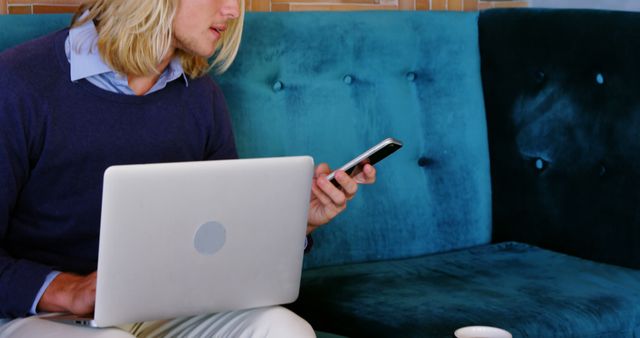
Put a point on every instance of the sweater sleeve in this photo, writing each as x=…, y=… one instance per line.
x=222, y=144
x=20, y=279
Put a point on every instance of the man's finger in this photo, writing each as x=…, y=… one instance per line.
x=349, y=185
x=322, y=169
x=367, y=176
x=334, y=193
x=320, y=195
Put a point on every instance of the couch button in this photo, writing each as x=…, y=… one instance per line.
x=348, y=79
x=277, y=86
x=540, y=164
x=599, y=78
x=423, y=161
x=602, y=170
x=411, y=76
x=540, y=77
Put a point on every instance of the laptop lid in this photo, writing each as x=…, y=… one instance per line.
x=181, y=239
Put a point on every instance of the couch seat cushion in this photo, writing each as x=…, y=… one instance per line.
x=527, y=290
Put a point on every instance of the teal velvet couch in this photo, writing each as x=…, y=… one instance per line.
x=514, y=202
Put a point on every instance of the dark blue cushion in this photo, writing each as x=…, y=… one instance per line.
x=529, y=291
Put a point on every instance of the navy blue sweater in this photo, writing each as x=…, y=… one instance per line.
x=57, y=138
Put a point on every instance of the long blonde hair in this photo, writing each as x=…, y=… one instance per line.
x=134, y=36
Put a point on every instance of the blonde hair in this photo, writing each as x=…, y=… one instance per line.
x=135, y=36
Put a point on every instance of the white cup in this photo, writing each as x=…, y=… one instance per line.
x=481, y=332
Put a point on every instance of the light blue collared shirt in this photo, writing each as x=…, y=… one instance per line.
x=81, y=47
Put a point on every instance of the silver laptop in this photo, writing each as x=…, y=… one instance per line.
x=182, y=239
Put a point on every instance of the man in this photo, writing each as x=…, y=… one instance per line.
x=126, y=84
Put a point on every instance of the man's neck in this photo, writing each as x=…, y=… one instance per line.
x=140, y=85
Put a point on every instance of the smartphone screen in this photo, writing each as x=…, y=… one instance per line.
x=372, y=156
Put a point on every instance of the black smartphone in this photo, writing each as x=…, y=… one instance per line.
x=372, y=156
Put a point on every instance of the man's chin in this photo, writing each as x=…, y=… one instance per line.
x=204, y=52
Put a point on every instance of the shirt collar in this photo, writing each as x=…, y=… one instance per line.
x=85, y=61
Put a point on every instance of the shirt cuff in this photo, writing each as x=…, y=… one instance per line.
x=308, y=243
x=50, y=277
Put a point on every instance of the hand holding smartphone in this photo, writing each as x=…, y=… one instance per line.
x=372, y=156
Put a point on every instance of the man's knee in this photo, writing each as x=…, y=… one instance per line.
x=280, y=322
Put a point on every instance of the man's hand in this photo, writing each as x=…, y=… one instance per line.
x=70, y=293
x=327, y=201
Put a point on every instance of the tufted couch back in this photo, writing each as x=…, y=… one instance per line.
x=333, y=84
x=562, y=91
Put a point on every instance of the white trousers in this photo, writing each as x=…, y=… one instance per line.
x=272, y=321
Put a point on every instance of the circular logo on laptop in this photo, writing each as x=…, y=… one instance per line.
x=209, y=238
